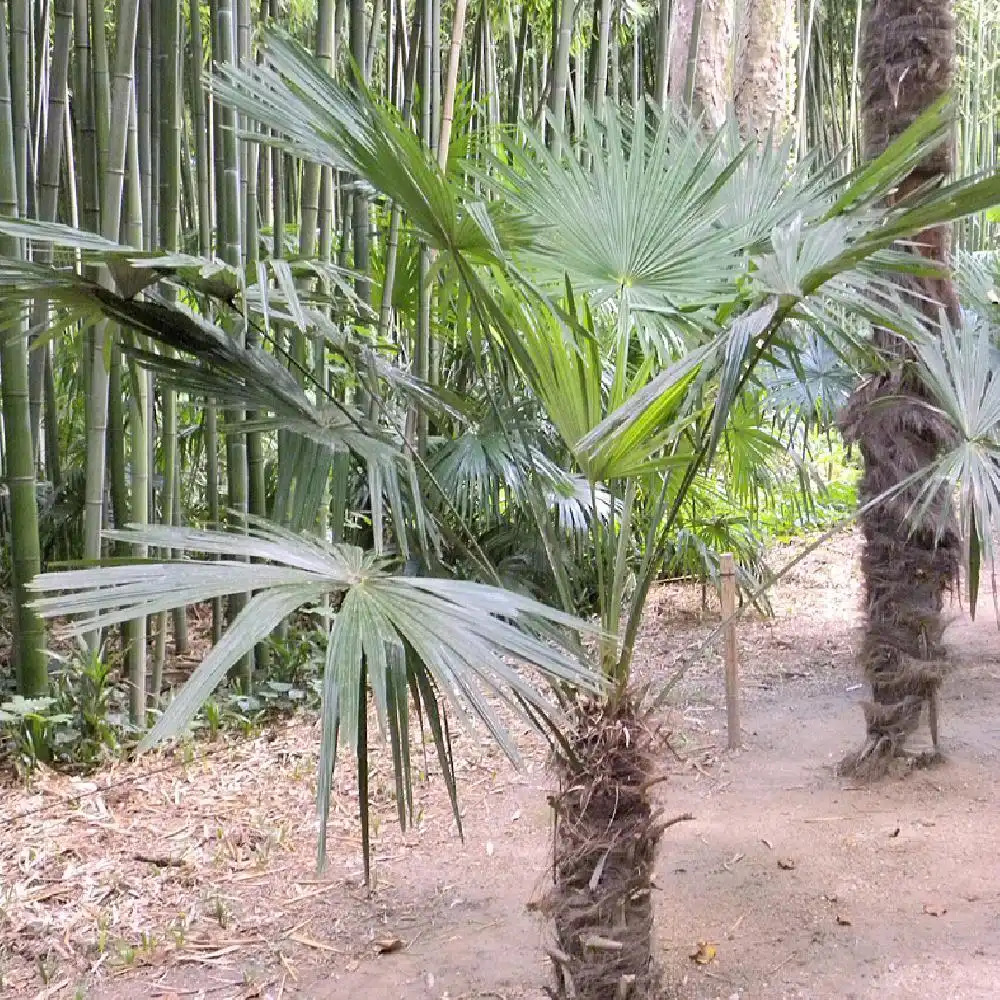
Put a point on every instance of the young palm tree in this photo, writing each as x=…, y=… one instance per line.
x=907, y=61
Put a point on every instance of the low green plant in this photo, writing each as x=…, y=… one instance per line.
x=33, y=728
x=81, y=725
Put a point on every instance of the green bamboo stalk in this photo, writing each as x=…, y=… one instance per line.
x=203, y=163
x=362, y=221
x=29, y=632
x=144, y=87
x=516, y=109
x=563, y=12
x=53, y=464
x=83, y=119
x=451, y=85
x=69, y=205
x=118, y=405
x=20, y=94
x=663, y=23
x=854, y=138
x=603, y=55
x=373, y=36
x=309, y=207
x=422, y=347
x=390, y=53
x=231, y=251
x=48, y=189
x=805, y=49
x=435, y=72
x=139, y=410
x=395, y=215
x=115, y=444
x=40, y=56
x=256, y=495
x=102, y=91
x=171, y=63
x=126, y=20
x=493, y=75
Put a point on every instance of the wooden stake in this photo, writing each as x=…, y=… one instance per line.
x=729, y=631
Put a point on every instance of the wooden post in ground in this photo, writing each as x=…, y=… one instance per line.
x=728, y=570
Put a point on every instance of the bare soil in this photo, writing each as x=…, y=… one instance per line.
x=199, y=879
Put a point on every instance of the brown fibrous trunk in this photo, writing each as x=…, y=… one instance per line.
x=606, y=833
x=908, y=63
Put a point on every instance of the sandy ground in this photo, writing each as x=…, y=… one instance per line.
x=807, y=885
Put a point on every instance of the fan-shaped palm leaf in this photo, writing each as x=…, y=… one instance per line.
x=462, y=643
x=959, y=368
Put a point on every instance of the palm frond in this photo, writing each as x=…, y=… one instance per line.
x=959, y=368
x=640, y=227
x=464, y=644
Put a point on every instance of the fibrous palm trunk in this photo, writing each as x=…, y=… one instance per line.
x=907, y=60
x=606, y=833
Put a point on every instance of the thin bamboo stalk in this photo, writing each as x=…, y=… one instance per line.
x=113, y=180
x=563, y=11
x=231, y=251
x=29, y=632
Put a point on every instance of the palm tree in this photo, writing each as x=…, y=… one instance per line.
x=907, y=61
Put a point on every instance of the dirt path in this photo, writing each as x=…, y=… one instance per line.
x=806, y=885
x=812, y=887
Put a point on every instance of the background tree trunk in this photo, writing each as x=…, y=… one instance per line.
x=763, y=60
x=907, y=60
x=713, y=68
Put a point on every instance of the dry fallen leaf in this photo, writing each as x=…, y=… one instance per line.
x=843, y=921
x=895, y=833
x=704, y=953
x=935, y=909
x=387, y=945
x=786, y=864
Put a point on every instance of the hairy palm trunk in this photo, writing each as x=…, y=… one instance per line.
x=907, y=62
x=606, y=832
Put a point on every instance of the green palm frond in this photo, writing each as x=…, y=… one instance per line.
x=450, y=643
x=640, y=227
x=977, y=275
x=808, y=381
x=959, y=368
